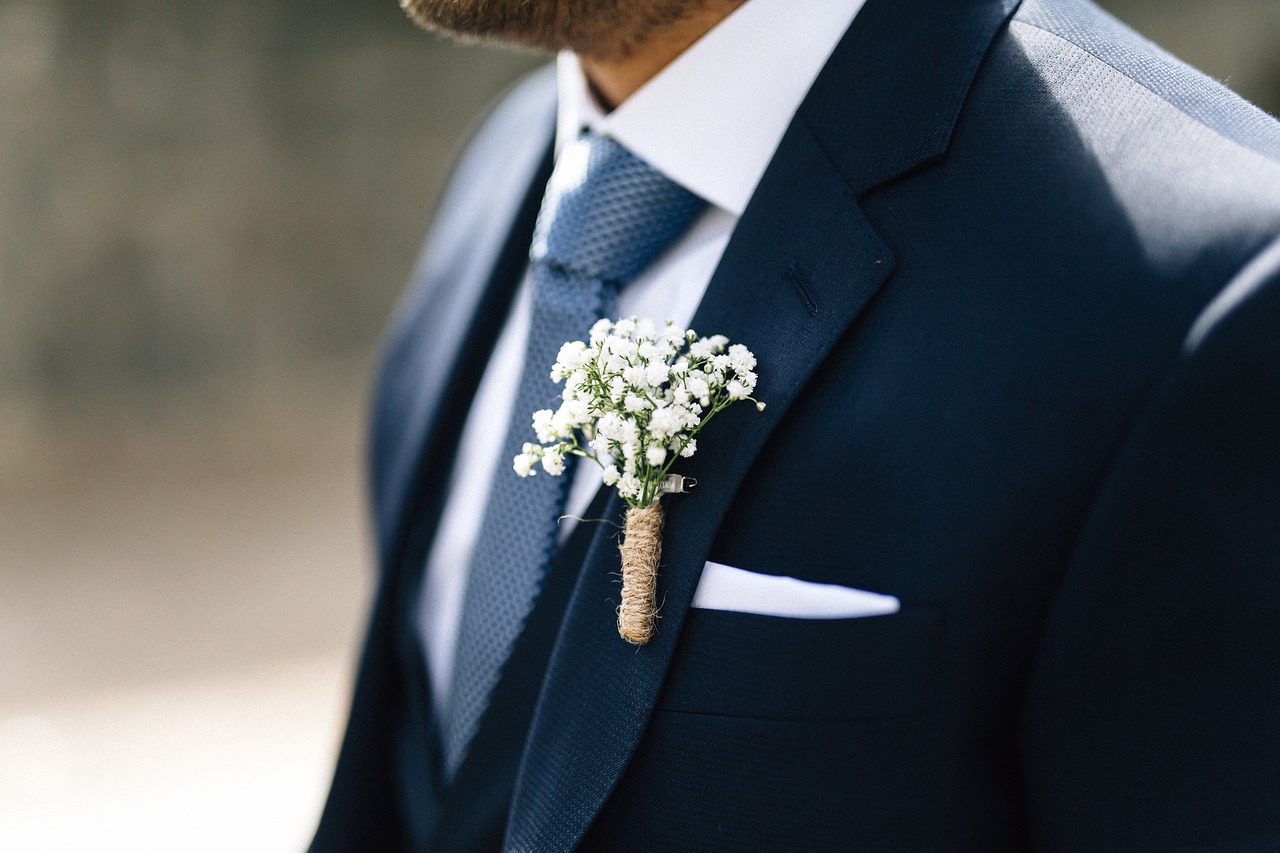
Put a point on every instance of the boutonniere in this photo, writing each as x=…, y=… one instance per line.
x=635, y=398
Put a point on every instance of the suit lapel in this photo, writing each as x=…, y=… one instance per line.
x=802, y=264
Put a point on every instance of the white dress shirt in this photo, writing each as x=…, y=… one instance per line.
x=710, y=121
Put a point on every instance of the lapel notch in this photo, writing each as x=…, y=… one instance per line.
x=888, y=100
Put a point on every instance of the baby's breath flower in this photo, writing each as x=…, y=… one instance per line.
x=599, y=331
x=634, y=397
x=650, y=352
x=553, y=463
x=523, y=465
x=634, y=375
x=624, y=348
x=573, y=355
x=542, y=426
x=630, y=487
x=524, y=461
x=665, y=422
x=577, y=412
x=562, y=422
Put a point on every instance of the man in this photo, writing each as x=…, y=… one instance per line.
x=1012, y=277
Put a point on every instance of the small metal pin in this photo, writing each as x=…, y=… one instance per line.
x=674, y=484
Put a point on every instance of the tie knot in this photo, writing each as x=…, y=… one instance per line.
x=607, y=213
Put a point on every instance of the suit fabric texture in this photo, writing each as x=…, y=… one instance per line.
x=1013, y=281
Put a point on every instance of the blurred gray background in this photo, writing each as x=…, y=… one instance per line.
x=206, y=212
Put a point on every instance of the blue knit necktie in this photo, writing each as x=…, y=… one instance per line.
x=605, y=216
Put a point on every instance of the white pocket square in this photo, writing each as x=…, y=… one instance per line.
x=724, y=587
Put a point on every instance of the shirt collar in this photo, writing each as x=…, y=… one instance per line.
x=712, y=119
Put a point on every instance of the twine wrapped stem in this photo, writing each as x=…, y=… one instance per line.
x=641, y=549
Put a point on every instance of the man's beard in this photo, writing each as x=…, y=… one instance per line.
x=599, y=29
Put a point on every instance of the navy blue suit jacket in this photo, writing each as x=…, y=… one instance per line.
x=1013, y=280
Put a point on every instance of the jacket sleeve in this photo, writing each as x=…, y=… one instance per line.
x=1152, y=717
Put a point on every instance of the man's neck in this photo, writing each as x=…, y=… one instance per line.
x=614, y=79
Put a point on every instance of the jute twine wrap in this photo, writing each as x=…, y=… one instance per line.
x=641, y=549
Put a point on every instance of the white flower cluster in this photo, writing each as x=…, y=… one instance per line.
x=634, y=398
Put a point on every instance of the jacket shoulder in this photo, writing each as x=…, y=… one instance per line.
x=1192, y=169
x=481, y=195
x=483, y=204
x=1091, y=36
x=516, y=126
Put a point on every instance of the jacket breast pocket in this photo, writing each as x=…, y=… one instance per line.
x=750, y=665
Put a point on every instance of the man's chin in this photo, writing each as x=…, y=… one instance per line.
x=596, y=28
x=512, y=22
